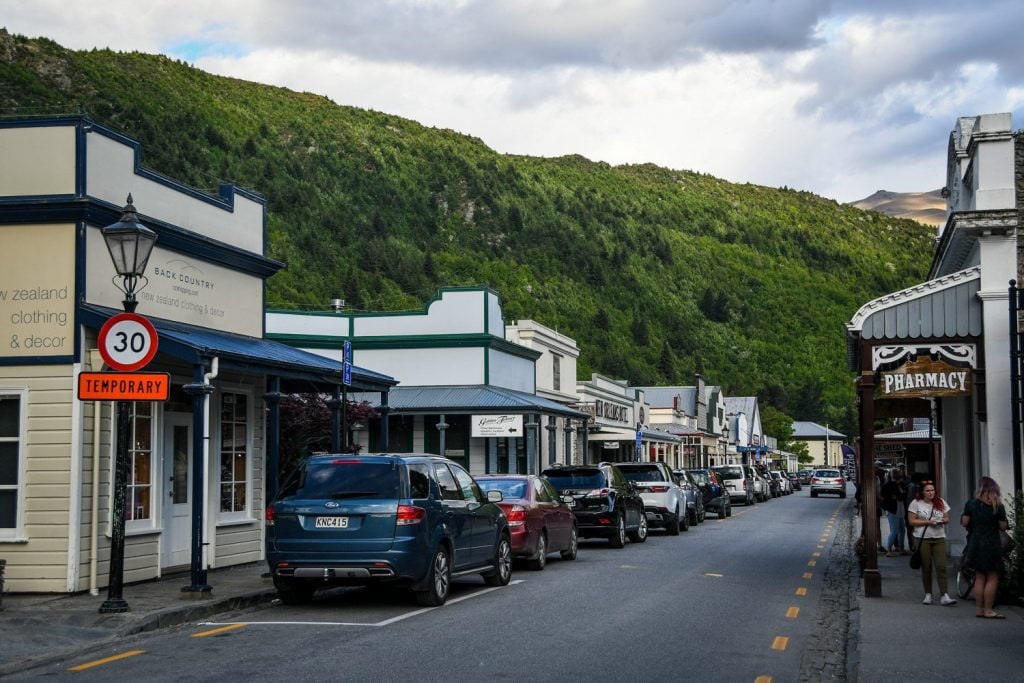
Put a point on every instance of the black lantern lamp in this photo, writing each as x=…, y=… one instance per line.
x=130, y=243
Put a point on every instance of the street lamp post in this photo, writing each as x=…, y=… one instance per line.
x=130, y=244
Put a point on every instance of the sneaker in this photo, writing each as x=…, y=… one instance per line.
x=891, y=553
x=946, y=600
x=927, y=599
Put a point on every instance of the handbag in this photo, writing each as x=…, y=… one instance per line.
x=1007, y=542
x=915, y=557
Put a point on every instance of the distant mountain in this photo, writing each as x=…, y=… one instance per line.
x=924, y=207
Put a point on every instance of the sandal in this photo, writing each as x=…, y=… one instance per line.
x=994, y=615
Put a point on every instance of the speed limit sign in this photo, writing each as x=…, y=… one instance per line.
x=127, y=342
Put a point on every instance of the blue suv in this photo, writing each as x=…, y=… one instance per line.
x=411, y=519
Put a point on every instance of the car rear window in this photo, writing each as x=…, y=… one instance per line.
x=643, y=473
x=700, y=476
x=575, y=479
x=345, y=478
x=826, y=473
x=730, y=472
x=510, y=488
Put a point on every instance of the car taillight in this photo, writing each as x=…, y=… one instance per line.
x=409, y=514
x=516, y=515
x=269, y=517
x=598, y=493
x=659, y=489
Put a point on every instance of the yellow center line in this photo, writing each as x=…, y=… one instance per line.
x=215, y=631
x=106, y=660
x=717, y=576
x=763, y=679
x=811, y=563
x=801, y=591
x=780, y=643
x=792, y=612
x=815, y=554
x=820, y=547
x=808, y=575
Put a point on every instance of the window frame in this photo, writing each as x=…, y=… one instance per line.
x=233, y=516
x=17, y=533
x=135, y=527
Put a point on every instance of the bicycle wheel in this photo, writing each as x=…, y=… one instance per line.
x=964, y=582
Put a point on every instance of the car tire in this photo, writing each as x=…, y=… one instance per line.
x=843, y=494
x=538, y=563
x=439, y=580
x=672, y=526
x=502, y=572
x=294, y=591
x=702, y=516
x=618, y=539
x=814, y=494
x=693, y=517
x=684, y=522
x=728, y=510
x=723, y=511
x=574, y=545
x=640, y=535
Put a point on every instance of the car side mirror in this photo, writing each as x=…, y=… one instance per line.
x=494, y=496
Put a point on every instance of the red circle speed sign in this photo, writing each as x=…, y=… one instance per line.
x=127, y=342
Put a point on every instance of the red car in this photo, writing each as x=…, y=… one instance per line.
x=540, y=521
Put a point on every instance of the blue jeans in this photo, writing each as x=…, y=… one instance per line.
x=897, y=530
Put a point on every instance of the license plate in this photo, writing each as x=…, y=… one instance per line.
x=332, y=522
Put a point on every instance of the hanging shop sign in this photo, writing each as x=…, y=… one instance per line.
x=924, y=378
x=487, y=426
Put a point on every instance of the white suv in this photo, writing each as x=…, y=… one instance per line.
x=828, y=481
x=738, y=482
x=664, y=501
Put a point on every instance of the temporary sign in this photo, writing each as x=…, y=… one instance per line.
x=127, y=342
x=124, y=386
x=484, y=426
x=924, y=378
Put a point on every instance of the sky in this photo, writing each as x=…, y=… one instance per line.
x=839, y=98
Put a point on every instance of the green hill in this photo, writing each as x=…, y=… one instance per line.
x=657, y=273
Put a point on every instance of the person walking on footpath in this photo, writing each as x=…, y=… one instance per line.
x=893, y=493
x=984, y=517
x=929, y=514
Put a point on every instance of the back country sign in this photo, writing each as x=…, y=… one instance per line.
x=924, y=378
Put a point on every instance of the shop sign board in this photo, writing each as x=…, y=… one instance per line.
x=124, y=386
x=924, y=378
x=487, y=426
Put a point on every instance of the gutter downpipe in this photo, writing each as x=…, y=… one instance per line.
x=212, y=374
x=94, y=517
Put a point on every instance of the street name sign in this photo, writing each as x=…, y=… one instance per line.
x=127, y=342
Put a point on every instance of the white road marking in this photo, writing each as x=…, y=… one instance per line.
x=386, y=622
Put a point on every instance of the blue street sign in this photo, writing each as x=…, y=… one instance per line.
x=348, y=351
x=347, y=378
x=638, y=445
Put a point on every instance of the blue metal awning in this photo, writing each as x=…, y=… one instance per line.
x=479, y=398
x=197, y=345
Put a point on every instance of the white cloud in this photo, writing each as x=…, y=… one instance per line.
x=839, y=98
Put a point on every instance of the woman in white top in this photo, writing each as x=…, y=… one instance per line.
x=929, y=516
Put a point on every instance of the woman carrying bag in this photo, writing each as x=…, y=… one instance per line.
x=984, y=517
x=930, y=514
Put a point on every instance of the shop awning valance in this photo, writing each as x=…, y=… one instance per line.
x=472, y=398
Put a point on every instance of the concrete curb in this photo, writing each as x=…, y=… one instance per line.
x=152, y=621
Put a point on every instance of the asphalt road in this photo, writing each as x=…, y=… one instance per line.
x=729, y=600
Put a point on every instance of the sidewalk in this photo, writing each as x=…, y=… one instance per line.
x=36, y=629
x=901, y=639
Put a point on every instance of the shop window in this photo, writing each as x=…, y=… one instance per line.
x=138, y=502
x=556, y=372
x=234, y=454
x=12, y=463
x=456, y=437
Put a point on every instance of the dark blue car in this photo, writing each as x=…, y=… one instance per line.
x=409, y=519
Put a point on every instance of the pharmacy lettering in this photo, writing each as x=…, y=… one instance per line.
x=924, y=378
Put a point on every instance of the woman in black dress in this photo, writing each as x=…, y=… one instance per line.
x=984, y=515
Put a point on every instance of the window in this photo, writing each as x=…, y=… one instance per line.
x=139, y=494
x=556, y=372
x=445, y=480
x=552, y=441
x=12, y=439
x=234, y=453
x=419, y=481
x=470, y=491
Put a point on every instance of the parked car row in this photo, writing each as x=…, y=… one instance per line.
x=419, y=520
x=745, y=484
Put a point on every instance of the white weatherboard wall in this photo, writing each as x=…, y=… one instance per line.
x=111, y=174
x=512, y=372
x=456, y=312
x=423, y=367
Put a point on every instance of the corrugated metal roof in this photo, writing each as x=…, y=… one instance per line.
x=475, y=397
x=263, y=356
x=945, y=307
x=813, y=430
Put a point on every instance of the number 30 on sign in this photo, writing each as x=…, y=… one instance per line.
x=127, y=342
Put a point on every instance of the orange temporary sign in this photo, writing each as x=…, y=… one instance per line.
x=124, y=386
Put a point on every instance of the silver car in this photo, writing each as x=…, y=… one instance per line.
x=828, y=481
